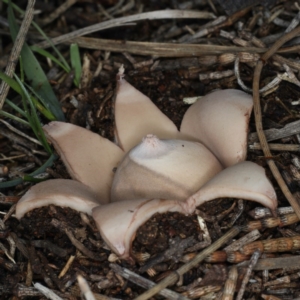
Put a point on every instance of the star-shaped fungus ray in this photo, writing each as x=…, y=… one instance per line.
x=136, y=116
x=88, y=157
x=60, y=192
x=118, y=222
x=220, y=121
x=245, y=180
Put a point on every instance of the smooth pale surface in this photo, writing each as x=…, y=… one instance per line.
x=60, y=192
x=88, y=157
x=245, y=180
x=118, y=222
x=164, y=169
x=220, y=120
x=136, y=116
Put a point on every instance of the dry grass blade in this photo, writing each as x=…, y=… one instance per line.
x=258, y=119
x=16, y=50
x=160, y=49
x=171, y=279
x=154, y=15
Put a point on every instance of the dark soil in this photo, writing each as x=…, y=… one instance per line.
x=47, y=248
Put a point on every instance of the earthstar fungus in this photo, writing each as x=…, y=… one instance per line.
x=162, y=172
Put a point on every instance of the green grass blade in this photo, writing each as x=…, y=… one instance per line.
x=29, y=178
x=15, y=107
x=15, y=86
x=33, y=117
x=13, y=117
x=34, y=72
x=38, y=171
x=75, y=62
x=11, y=82
x=39, y=29
x=42, y=33
x=37, y=103
x=47, y=54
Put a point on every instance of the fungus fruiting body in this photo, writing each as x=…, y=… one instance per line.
x=162, y=173
x=164, y=169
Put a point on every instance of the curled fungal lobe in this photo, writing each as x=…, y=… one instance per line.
x=88, y=157
x=60, y=192
x=118, y=222
x=245, y=180
x=136, y=116
x=220, y=120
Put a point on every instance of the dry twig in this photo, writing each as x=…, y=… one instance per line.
x=246, y=278
x=186, y=267
x=60, y=10
x=258, y=119
x=16, y=50
x=143, y=282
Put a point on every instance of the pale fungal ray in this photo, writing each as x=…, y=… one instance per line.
x=245, y=180
x=220, y=120
x=89, y=158
x=136, y=116
x=118, y=222
x=60, y=192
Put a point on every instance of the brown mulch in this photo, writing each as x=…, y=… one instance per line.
x=44, y=249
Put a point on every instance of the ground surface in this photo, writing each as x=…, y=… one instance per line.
x=44, y=249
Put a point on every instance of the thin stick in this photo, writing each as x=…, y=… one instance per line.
x=253, y=261
x=46, y=292
x=143, y=282
x=258, y=119
x=57, y=12
x=16, y=50
x=67, y=266
x=63, y=227
x=276, y=134
x=171, y=279
x=277, y=147
x=21, y=133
